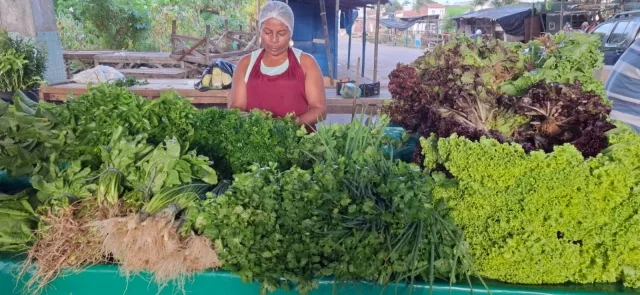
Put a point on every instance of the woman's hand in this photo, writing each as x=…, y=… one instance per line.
x=238, y=95
x=314, y=91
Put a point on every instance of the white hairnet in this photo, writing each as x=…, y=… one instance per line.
x=478, y=32
x=278, y=10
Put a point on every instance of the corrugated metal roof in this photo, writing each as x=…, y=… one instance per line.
x=401, y=24
x=494, y=13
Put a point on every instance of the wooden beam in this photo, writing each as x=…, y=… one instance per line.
x=173, y=34
x=375, y=46
x=323, y=16
x=252, y=43
x=207, y=45
x=193, y=48
x=185, y=48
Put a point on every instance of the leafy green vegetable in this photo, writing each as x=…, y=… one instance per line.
x=355, y=215
x=18, y=219
x=31, y=139
x=22, y=63
x=236, y=140
x=564, y=58
x=93, y=117
x=546, y=218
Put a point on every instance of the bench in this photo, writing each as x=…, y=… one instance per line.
x=157, y=73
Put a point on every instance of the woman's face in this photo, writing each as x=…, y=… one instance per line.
x=275, y=36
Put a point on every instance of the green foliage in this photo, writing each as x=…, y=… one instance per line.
x=355, y=215
x=565, y=58
x=129, y=168
x=22, y=63
x=236, y=140
x=453, y=11
x=94, y=116
x=82, y=24
x=120, y=24
x=30, y=137
x=171, y=115
x=546, y=218
x=18, y=219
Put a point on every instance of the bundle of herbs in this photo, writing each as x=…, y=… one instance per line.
x=18, y=220
x=126, y=205
x=31, y=137
x=93, y=116
x=355, y=214
x=235, y=140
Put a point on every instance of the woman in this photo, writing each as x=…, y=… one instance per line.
x=278, y=78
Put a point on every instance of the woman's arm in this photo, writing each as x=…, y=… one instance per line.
x=238, y=95
x=314, y=90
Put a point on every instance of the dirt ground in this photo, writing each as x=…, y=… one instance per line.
x=388, y=57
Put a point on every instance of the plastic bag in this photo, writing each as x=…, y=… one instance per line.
x=99, y=74
x=348, y=90
x=216, y=76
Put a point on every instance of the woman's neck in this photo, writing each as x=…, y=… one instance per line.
x=270, y=60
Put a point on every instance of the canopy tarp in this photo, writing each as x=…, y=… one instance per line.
x=510, y=18
x=401, y=24
x=344, y=4
x=347, y=18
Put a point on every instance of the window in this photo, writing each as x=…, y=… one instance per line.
x=618, y=36
x=604, y=30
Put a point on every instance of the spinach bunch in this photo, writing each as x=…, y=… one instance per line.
x=31, y=137
x=18, y=220
x=93, y=117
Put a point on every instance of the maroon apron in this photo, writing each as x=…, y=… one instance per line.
x=280, y=94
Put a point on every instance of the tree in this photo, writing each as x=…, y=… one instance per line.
x=392, y=7
x=495, y=3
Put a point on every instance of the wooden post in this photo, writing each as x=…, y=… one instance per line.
x=355, y=92
x=207, y=43
x=531, y=23
x=364, y=38
x=349, y=50
x=561, y=16
x=375, y=46
x=258, y=24
x=327, y=44
x=173, y=35
x=337, y=30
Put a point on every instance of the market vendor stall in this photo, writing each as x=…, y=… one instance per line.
x=154, y=89
x=515, y=174
x=217, y=98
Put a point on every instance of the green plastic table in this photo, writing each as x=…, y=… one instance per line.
x=107, y=280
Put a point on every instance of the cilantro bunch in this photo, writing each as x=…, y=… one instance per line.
x=354, y=214
x=236, y=140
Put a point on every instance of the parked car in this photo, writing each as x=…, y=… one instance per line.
x=617, y=34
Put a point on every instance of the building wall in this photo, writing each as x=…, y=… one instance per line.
x=16, y=17
x=308, y=34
